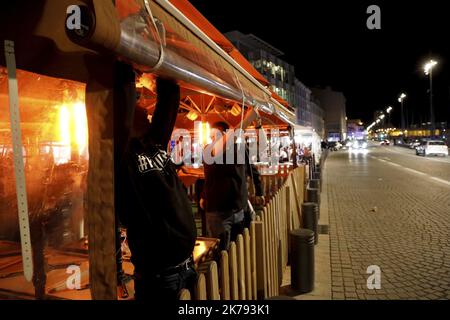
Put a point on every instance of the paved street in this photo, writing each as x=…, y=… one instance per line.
x=389, y=208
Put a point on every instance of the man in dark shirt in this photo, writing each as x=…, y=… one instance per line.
x=155, y=207
x=225, y=192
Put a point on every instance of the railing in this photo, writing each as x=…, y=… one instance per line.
x=253, y=266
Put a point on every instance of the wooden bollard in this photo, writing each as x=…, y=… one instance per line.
x=184, y=294
x=212, y=283
x=260, y=260
x=233, y=272
x=253, y=260
x=241, y=267
x=224, y=275
x=200, y=290
x=247, y=265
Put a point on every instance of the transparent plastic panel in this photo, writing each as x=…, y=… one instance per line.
x=55, y=149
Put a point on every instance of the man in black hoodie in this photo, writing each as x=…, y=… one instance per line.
x=154, y=205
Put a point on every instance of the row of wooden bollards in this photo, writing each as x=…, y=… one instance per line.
x=234, y=276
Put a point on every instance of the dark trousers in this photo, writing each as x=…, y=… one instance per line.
x=224, y=226
x=163, y=287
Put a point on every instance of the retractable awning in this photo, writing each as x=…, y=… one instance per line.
x=281, y=106
x=186, y=52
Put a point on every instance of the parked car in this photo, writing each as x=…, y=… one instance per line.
x=414, y=144
x=334, y=145
x=385, y=142
x=432, y=147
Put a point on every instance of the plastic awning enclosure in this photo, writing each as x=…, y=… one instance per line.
x=157, y=33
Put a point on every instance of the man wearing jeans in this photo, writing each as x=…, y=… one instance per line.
x=153, y=203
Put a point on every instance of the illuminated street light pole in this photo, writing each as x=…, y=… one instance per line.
x=388, y=111
x=428, y=68
x=400, y=99
x=382, y=117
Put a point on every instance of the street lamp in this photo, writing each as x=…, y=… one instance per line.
x=388, y=111
x=382, y=116
x=428, y=69
x=400, y=99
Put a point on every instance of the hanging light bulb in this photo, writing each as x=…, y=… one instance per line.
x=192, y=115
x=236, y=110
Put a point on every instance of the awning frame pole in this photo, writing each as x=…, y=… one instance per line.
x=19, y=168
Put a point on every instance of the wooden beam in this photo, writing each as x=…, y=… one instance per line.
x=100, y=186
x=210, y=104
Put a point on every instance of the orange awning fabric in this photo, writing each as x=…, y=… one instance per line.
x=191, y=36
x=202, y=23
x=280, y=99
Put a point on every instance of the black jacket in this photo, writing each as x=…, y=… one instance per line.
x=226, y=185
x=155, y=207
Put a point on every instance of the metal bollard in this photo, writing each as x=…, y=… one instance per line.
x=310, y=218
x=313, y=195
x=314, y=183
x=317, y=176
x=317, y=168
x=302, y=260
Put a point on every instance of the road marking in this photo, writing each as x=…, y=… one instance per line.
x=415, y=171
x=393, y=164
x=440, y=180
x=415, y=156
x=436, y=179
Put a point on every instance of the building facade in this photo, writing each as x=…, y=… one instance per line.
x=281, y=76
x=334, y=106
x=317, y=116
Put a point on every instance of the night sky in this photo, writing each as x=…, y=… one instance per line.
x=329, y=44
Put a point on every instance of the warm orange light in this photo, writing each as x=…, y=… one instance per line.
x=80, y=127
x=192, y=115
x=73, y=126
x=208, y=133
x=204, y=133
x=64, y=125
x=236, y=110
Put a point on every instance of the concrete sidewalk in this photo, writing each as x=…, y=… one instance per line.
x=322, y=283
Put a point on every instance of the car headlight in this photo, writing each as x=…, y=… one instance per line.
x=364, y=145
